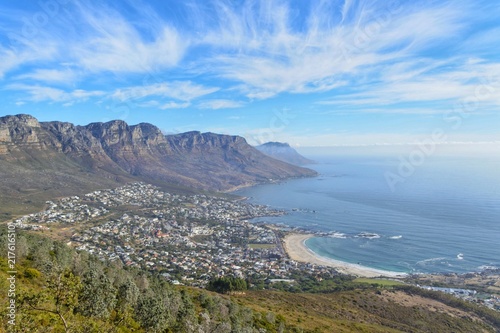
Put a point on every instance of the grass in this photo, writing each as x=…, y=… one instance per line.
x=380, y=282
x=358, y=311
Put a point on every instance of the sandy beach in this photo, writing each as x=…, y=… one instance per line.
x=297, y=250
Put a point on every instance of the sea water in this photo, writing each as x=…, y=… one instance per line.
x=443, y=216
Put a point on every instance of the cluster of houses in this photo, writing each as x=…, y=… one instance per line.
x=66, y=210
x=493, y=302
x=189, y=239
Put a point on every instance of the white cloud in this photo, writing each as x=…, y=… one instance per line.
x=216, y=104
x=174, y=105
x=184, y=91
x=367, y=53
x=40, y=93
x=268, y=55
x=113, y=43
x=122, y=50
x=9, y=61
x=179, y=90
x=20, y=54
x=345, y=9
x=93, y=38
x=65, y=76
x=443, y=85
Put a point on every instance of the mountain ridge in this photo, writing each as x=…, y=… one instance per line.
x=50, y=156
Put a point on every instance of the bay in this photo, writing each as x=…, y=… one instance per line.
x=442, y=217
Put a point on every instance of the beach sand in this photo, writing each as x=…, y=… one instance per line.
x=297, y=250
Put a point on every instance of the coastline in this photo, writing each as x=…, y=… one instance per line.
x=271, y=181
x=294, y=245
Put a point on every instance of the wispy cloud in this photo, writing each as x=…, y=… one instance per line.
x=63, y=76
x=174, y=105
x=13, y=57
x=40, y=93
x=179, y=90
x=443, y=84
x=112, y=42
x=117, y=47
x=215, y=104
x=96, y=38
x=183, y=91
x=270, y=55
x=258, y=47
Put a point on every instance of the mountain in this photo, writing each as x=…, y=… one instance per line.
x=40, y=160
x=283, y=152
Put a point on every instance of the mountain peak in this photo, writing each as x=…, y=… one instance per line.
x=283, y=152
x=112, y=124
x=275, y=144
x=20, y=119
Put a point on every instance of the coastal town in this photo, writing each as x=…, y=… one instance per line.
x=188, y=239
x=191, y=239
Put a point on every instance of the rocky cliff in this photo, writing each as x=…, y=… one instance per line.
x=57, y=157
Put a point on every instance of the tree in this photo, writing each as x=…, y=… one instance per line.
x=226, y=285
x=62, y=254
x=127, y=296
x=152, y=313
x=186, y=319
x=98, y=296
x=22, y=247
x=59, y=298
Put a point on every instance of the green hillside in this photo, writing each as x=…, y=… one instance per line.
x=61, y=290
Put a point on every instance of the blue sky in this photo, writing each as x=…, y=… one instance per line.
x=311, y=73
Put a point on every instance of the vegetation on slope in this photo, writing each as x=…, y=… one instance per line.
x=61, y=290
x=369, y=310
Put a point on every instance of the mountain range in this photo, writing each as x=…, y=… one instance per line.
x=283, y=152
x=40, y=160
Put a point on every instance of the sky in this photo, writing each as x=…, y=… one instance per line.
x=310, y=73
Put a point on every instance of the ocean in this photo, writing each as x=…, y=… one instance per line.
x=394, y=209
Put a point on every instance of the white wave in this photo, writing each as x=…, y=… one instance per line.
x=368, y=235
x=396, y=237
x=338, y=235
x=460, y=256
x=487, y=267
x=423, y=262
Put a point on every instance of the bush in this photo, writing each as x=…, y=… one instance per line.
x=32, y=273
x=226, y=285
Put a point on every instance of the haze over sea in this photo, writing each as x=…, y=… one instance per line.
x=444, y=217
